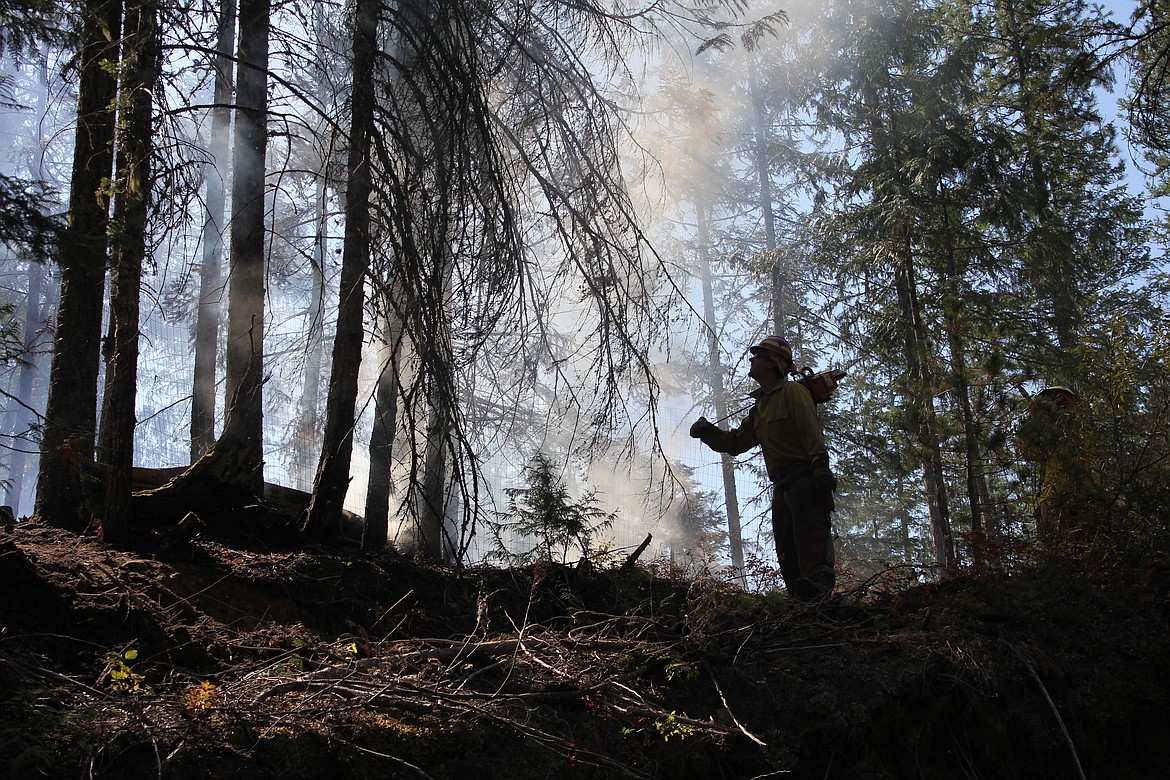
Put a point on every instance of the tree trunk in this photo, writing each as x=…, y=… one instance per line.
x=231, y=474
x=324, y=518
x=139, y=69
x=432, y=504
x=304, y=445
x=245, y=345
x=64, y=497
x=16, y=421
x=764, y=176
x=719, y=393
x=983, y=521
x=977, y=499
x=308, y=417
x=920, y=404
x=378, y=488
x=210, y=276
x=1050, y=267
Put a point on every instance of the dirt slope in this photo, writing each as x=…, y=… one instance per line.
x=192, y=659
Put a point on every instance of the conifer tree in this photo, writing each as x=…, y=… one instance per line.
x=67, y=444
x=329, y=487
x=211, y=284
x=1069, y=232
x=130, y=240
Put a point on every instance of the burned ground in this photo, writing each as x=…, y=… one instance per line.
x=198, y=659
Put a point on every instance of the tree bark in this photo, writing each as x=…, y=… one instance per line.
x=139, y=69
x=719, y=393
x=210, y=274
x=245, y=347
x=382, y=437
x=64, y=497
x=332, y=481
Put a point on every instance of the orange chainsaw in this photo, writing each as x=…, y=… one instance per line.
x=822, y=384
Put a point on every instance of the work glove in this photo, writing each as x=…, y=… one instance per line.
x=825, y=481
x=700, y=427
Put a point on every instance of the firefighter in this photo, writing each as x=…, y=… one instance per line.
x=784, y=424
x=1047, y=437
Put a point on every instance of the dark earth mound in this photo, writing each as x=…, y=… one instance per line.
x=194, y=659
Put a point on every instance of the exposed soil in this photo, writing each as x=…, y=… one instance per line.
x=195, y=659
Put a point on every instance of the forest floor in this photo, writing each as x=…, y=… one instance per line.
x=200, y=659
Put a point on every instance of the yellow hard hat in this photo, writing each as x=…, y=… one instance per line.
x=1059, y=395
x=776, y=345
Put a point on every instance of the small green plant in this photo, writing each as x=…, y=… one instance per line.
x=295, y=663
x=679, y=669
x=669, y=727
x=123, y=679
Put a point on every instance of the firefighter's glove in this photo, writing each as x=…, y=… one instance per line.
x=701, y=427
x=825, y=481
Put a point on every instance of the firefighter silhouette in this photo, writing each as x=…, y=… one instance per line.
x=1049, y=437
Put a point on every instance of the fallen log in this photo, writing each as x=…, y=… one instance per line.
x=165, y=492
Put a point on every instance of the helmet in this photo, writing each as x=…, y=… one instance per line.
x=774, y=345
x=1059, y=395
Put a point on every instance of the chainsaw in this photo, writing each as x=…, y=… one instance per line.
x=820, y=386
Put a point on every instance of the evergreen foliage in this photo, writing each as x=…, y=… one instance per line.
x=25, y=228
x=544, y=511
x=28, y=24
x=26, y=224
x=1147, y=50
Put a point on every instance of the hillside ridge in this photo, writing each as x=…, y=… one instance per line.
x=193, y=658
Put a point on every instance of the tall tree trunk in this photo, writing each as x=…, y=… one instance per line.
x=231, y=474
x=210, y=274
x=718, y=391
x=885, y=136
x=921, y=406
x=378, y=488
x=16, y=421
x=245, y=344
x=764, y=176
x=432, y=504
x=308, y=417
x=19, y=418
x=324, y=517
x=982, y=520
x=67, y=445
x=305, y=454
x=1049, y=264
x=139, y=71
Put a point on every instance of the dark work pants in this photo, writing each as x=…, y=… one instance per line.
x=804, y=537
